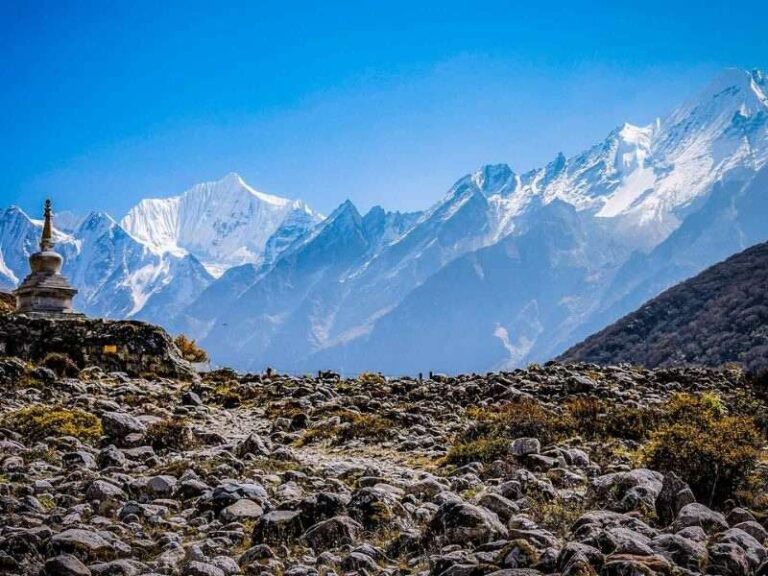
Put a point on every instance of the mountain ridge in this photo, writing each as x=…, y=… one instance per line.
x=616, y=209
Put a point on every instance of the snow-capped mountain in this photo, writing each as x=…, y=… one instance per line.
x=121, y=274
x=505, y=269
x=514, y=263
x=222, y=224
x=116, y=276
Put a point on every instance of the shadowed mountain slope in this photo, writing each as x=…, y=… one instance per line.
x=719, y=316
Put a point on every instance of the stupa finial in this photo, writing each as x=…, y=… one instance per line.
x=46, y=241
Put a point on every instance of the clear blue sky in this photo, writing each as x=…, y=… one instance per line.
x=103, y=103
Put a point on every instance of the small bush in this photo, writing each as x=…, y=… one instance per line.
x=558, y=514
x=171, y=434
x=189, y=349
x=487, y=439
x=630, y=423
x=588, y=415
x=232, y=393
x=599, y=420
x=521, y=418
x=61, y=364
x=353, y=426
x=711, y=451
x=39, y=422
x=479, y=450
x=693, y=408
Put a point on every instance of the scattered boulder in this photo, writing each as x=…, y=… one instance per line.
x=459, y=522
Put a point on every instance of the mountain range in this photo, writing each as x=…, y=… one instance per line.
x=505, y=269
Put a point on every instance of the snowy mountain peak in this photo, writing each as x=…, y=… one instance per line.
x=223, y=223
x=346, y=211
x=96, y=219
x=633, y=147
x=495, y=179
x=232, y=184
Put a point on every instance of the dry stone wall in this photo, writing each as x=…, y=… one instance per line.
x=133, y=347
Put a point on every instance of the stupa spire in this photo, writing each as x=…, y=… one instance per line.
x=46, y=240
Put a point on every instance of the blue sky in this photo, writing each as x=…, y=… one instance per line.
x=104, y=103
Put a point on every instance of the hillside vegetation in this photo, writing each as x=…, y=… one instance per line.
x=717, y=317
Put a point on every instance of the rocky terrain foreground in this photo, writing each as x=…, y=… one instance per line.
x=555, y=469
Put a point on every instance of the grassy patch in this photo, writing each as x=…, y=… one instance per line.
x=353, y=426
x=38, y=422
x=712, y=444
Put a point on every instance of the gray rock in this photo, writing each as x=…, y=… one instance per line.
x=575, y=555
x=84, y=544
x=254, y=444
x=682, y=552
x=161, y=486
x=754, y=529
x=374, y=507
x=461, y=523
x=626, y=491
x=738, y=515
x=620, y=540
x=196, y=568
x=525, y=446
x=754, y=550
x=696, y=514
x=122, y=567
x=278, y=527
x=673, y=496
x=103, y=491
x=727, y=559
x=111, y=456
x=359, y=562
x=241, y=510
x=425, y=489
x=332, y=533
x=502, y=507
x=117, y=425
x=65, y=565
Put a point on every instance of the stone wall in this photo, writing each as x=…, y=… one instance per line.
x=128, y=346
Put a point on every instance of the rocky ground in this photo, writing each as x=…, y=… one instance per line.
x=269, y=474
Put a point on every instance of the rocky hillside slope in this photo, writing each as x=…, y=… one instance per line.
x=553, y=469
x=719, y=316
